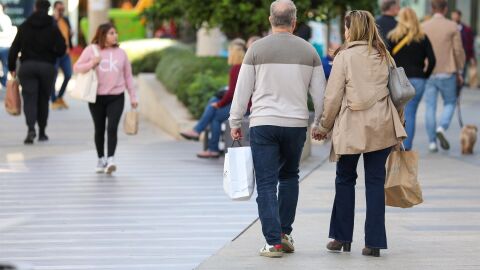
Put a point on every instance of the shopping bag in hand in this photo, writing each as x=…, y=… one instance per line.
x=13, y=103
x=401, y=186
x=130, y=123
x=238, y=173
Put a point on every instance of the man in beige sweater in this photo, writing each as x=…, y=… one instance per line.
x=278, y=72
x=447, y=46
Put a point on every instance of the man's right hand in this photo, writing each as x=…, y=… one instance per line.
x=236, y=134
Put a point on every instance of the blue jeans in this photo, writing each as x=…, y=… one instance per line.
x=4, y=58
x=64, y=63
x=276, y=157
x=343, y=212
x=411, y=110
x=213, y=117
x=447, y=87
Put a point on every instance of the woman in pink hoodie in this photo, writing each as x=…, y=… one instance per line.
x=114, y=77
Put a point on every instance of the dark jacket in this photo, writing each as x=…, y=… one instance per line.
x=69, y=31
x=468, y=40
x=385, y=25
x=412, y=58
x=39, y=39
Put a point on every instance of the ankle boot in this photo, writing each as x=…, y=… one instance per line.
x=30, y=137
x=375, y=252
x=338, y=246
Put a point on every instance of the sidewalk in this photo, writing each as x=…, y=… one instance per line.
x=441, y=233
x=163, y=209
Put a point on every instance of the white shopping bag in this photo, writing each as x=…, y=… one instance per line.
x=238, y=173
x=86, y=84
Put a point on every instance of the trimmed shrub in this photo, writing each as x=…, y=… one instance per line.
x=149, y=62
x=192, y=79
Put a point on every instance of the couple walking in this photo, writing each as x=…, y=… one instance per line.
x=278, y=73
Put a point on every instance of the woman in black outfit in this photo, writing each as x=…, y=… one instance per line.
x=40, y=43
x=410, y=47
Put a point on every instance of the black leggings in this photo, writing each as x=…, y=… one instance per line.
x=111, y=108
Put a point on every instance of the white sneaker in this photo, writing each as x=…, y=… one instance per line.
x=287, y=243
x=101, y=165
x=271, y=251
x=442, y=138
x=432, y=147
x=111, y=167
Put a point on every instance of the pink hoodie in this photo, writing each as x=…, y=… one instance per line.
x=114, y=71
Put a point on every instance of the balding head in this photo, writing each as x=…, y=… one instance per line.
x=283, y=13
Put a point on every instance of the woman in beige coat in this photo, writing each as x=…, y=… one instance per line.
x=363, y=120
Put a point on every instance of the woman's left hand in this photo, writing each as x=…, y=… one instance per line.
x=134, y=105
x=215, y=105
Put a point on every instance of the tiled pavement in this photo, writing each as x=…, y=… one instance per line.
x=163, y=209
x=441, y=233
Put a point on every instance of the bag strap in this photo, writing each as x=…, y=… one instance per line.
x=238, y=141
x=401, y=44
x=96, y=53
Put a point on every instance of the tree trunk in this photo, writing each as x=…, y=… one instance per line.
x=342, y=12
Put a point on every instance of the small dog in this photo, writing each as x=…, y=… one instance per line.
x=468, y=137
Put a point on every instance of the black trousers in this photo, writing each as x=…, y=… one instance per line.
x=37, y=80
x=107, y=108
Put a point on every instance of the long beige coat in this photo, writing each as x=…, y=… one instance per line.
x=357, y=104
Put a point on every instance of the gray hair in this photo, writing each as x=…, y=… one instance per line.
x=283, y=12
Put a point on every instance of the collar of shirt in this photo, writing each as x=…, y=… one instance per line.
x=438, y=15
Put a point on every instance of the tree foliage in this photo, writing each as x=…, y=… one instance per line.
x=247, y=17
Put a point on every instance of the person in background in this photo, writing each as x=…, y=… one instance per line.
x=114, y=74
x=217, y=109
x=251, y=40
x=40, y=43
x=363, y=120
x=410, y=47
x=468, y=40
x=447, y=74
x=64, y=62
x=6, y=37
x=386, y=22
x=304, y=31
x=277, y=74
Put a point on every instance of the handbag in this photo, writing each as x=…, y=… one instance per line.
x=401, y=90
x=13, y=102
x=86, y=83
x=238, y=173
x=130, y=123
x=401, y=186
x=472, y=75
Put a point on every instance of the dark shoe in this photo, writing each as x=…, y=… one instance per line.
x=30, y=137
x=374, y=252
x=338, y=246
x=442, y=138
x=43, y=137
x=190, y=135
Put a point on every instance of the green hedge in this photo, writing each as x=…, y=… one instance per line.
x=192, y=79
x=148, y=63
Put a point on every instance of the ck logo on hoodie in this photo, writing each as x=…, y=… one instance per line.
x=109, y=65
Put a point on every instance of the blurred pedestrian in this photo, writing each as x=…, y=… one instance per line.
x=40, y=43
x=387, y=22
x=114, y=74
x=278, y=73
x=251, y=40
x=468, y=40
x=410, y=47
x=6, y=38
x=218, y=107
x=447, y=45
x=364, y=120
x=64, y=62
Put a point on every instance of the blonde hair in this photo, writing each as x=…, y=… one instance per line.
x=408, y=24
x=361, y=26
x=236, y=51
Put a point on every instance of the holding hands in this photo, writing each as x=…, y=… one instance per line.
x=318, y=135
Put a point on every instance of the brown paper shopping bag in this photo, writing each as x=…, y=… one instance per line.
x=472, y=76
x=401, y=186
x=130, y=124
x=13, y=102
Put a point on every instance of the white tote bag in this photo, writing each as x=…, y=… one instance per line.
x=238, y=173
x=86, y=83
